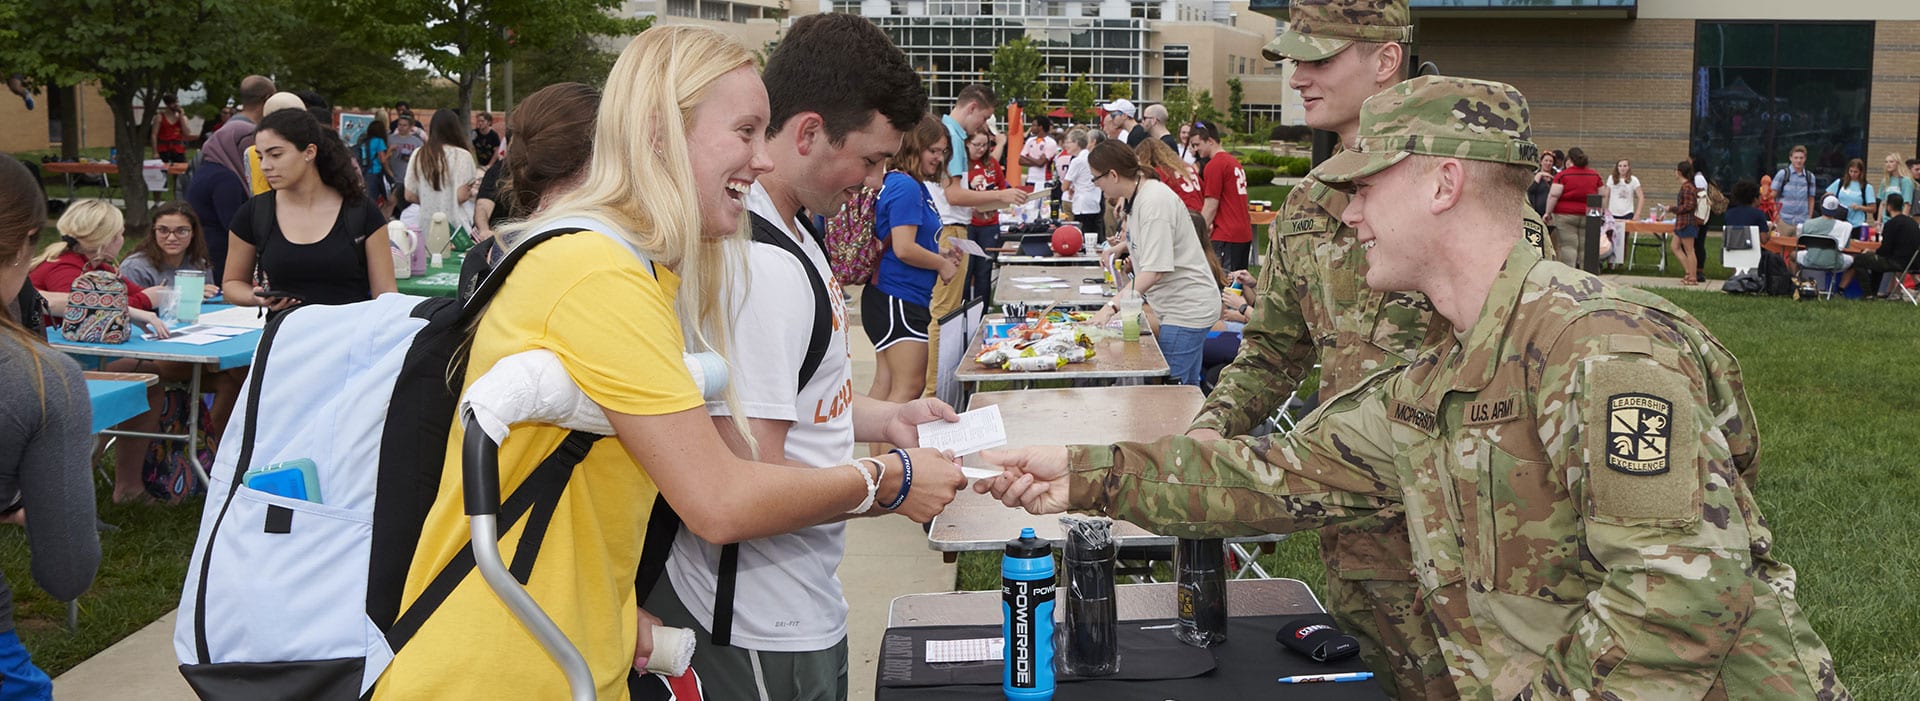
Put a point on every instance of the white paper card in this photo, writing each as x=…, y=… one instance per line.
x=970, y=247
x=981, y=473
x=976, y=430
x=243, y=317
x=1040, y=278
x=969, y=650
x=1092, y=289
x=194, y=339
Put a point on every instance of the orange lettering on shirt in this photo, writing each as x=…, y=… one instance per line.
x=837, y=407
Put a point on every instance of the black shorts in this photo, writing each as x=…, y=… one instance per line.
x=889, y=320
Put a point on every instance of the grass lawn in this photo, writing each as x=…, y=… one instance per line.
x=142, y=566
x=1837, y=482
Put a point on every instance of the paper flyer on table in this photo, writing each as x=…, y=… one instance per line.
x=976, y=430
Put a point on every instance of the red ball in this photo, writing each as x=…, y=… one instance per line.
x=1067, y=240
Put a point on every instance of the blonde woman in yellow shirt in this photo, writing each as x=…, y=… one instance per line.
x=617, y=327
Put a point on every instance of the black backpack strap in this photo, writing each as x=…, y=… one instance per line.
x=535, y=499
x=770, y=234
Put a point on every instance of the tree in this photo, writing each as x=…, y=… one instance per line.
x=1122, y=90
x=458, y=38
x=1179, y=106
x=136, y=49
x=1080, y=100
x=1203, y=107
x=336, y=58
x=1235, y=93
x=1015, y=73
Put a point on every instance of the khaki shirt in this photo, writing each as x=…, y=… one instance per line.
x=1577, y=478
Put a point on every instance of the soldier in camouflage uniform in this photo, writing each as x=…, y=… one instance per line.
x=1576, y=461
x=1314, y=304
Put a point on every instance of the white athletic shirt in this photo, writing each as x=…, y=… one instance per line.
x=787, y=598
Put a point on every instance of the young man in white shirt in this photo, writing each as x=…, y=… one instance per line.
x=841, y=96
x=1039, y=152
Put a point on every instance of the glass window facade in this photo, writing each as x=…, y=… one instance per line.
x=951, y=51
x=1265, y=6
x=1760, y=88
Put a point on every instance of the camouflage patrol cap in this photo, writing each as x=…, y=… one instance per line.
x=1317, y=29
x=1435, y=115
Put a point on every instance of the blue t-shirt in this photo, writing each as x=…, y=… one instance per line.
x=370, y=151
x=1854, y=194
x=903, y=202
x=957, y=143
x=1793, y=190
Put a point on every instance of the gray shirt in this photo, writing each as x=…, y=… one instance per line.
x=400, y=153
x=45, y=443
x=147, y=272
x=1793, y=189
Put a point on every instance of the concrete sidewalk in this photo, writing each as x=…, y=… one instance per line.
x=886, y=558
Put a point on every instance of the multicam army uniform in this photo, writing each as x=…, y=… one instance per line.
x=1577, y=477
x=1565, y=546
x=1313, y=303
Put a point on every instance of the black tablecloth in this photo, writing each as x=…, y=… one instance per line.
x=1152, y=664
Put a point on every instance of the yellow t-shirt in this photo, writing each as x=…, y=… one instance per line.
x=587, y=299
x=256, y=178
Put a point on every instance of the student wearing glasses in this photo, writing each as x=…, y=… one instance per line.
x=176, y=244
x=1171, y=268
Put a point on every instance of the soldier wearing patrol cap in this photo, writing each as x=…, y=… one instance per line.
x=1576, y=461
x=1314, y=305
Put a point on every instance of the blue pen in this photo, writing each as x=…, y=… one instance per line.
x=1341, y=677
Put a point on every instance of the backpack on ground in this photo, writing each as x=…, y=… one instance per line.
x=289, y=598
x=1743, y=282
x=1775, y=279
x=97, y=309
x=853, y=251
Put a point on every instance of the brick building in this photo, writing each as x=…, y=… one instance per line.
x=24, y=130
x=1738, y=81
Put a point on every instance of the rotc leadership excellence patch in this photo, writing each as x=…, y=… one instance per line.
x=1639, y=427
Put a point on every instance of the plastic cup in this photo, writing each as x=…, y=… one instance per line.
x=434, y=261
x=1129, y=305
x=189, y=286
x=165, y=303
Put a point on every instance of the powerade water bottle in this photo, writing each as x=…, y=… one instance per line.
x=1026, y=595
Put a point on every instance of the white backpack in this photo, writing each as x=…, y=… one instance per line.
x=289, y=598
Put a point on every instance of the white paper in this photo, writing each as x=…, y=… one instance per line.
x=243, y=317
x=981, y=473
x=1092, y=289
x=193, y=339
x=1038, y=278
x=976, y=430
x=970, y=247
x=969, y=650
x=203, y=329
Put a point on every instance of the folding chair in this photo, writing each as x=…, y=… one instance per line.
x=1899, y=279
x=1813, y=243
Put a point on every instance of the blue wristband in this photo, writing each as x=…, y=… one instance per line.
x=906, y=480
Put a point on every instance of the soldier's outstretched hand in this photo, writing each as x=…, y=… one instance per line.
x=1032, y=478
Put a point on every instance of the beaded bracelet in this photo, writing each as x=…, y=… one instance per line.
x=906, y=480
x=873, y=485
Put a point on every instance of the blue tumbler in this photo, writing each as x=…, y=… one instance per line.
x=1026, y=594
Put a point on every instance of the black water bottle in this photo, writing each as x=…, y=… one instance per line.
x=1201, y=576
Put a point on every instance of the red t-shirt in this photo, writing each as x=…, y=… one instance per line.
x=1226, y=181
x=1184, y=185
x=1575, y=184
x=986, y=175
x=57, y=275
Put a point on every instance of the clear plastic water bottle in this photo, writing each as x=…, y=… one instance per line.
x=1026, y=594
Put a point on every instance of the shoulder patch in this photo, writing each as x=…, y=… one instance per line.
x=1639, y=433
x=1537, y=237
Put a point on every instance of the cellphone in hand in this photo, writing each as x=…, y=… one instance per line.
x=277, y=294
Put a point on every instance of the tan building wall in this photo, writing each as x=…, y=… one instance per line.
x=1219, y=52
x=1780, y=10
x=1626, y=96
x=23, y=130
